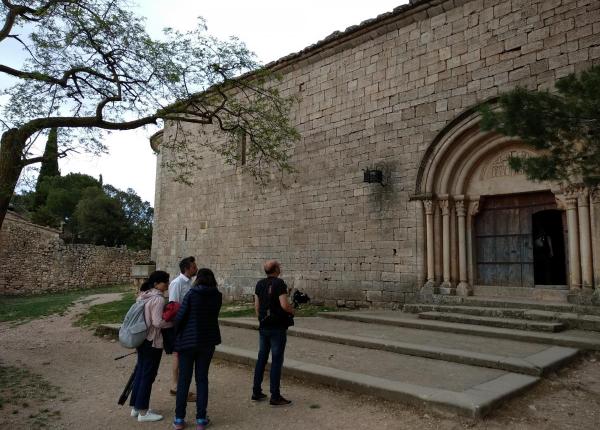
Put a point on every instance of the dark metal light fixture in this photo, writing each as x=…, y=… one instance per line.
x=373, y=176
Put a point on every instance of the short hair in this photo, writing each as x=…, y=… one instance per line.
x=271, y=266
x=186, y=263
x=155, y=277
x=206, y=278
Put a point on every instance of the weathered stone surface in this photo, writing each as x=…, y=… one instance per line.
x=35, y=260
x=378, y=98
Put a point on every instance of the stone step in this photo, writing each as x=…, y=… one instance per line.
x=555, y=294
x=514, y=356
x=496, y=302
x=572, y=320
x=465, y=389
x=513, y=323
x=580, y=339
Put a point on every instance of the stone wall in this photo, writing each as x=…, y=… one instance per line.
x=373, y=96
x=33, y=260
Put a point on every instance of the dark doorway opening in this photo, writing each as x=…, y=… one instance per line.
x=549, y=266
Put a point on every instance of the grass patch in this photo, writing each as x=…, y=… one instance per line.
x=247, y=310
x=24, y=308
x=107, y=313
x=308, y=310
x=24, y=394
x=237, y=310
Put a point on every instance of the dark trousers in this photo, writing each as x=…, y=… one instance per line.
x=148, y=361
x=195, y=361
x=270, y=340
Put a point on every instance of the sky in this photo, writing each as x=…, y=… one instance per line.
x=270, y=28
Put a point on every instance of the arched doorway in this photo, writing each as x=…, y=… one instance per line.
x=481, y=218
x=519, y=241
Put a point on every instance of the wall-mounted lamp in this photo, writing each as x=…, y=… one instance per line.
x=373, y=176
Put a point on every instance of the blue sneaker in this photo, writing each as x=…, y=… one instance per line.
x=201, y=423
x=179, y=424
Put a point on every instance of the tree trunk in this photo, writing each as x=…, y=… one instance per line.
x=12, y=144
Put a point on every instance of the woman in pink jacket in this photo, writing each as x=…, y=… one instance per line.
x=150, y=352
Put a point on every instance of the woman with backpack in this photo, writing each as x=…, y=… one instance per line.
x=197, y=334
x=150, y=352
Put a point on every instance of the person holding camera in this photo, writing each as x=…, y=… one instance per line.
x=275, y=315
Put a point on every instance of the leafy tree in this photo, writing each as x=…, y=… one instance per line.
x=63, y=194
x=99, y=219
x=563, y=125
x=138, y=215
x=91, y=66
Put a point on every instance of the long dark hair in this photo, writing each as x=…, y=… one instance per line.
x=155, y=277
x=206, y=278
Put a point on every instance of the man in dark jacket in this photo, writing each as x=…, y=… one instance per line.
x=197, y=334
x=275, y=316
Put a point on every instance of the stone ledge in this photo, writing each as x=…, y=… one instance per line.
x=535, y=365
x=568, y=338
x=475, y=402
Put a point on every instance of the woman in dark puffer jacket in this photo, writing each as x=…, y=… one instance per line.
x=197, y=334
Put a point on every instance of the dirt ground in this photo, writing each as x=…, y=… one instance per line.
x=89, y=382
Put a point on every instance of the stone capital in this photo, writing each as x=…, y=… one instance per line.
x=459, y=205
x=444, y=205
x=571, y=201
x=584, y=197
x=595, y=195
x=474, y=208
x=428, y=206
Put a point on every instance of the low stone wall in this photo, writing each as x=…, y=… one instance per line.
x=34, y=259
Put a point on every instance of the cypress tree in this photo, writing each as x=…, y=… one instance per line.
x=49, y=167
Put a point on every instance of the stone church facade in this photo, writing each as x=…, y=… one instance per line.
x=399, y=94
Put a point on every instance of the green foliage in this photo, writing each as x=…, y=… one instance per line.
x=49, y=167
x=22, y=202
x=563, y=125
x=99, y=219
x=63, y=194
x=138, y=214
x=92, y=213
x=24, y=308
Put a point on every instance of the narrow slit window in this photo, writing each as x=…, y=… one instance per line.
x=243, y=149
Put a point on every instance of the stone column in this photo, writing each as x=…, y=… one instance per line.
x=473, y=211
x=446, y=287
x=428, y=206
x=463, y=288
x=585, y=239
x=572, y=225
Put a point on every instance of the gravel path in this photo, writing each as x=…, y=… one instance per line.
x=82, y=366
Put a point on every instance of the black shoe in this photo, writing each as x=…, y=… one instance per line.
x=258, y=397
x=279, y=402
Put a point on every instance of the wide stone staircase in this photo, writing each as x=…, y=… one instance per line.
x=515, y=314
x=464, y=356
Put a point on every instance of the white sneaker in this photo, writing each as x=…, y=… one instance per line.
x=134, y=412
x=150, y=416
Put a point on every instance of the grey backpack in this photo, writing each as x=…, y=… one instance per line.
x=134, y=330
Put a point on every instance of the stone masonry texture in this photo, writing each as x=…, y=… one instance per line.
x=33, y=260
x=374, y=96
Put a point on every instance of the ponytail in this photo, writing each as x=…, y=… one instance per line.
x=155, y=277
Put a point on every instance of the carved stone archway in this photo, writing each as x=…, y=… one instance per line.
x=465, y=164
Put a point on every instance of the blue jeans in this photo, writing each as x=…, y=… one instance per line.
x=201, y=358
x=270, y=340
x=148, y=361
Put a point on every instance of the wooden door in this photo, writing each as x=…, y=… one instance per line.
x=503, y=238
